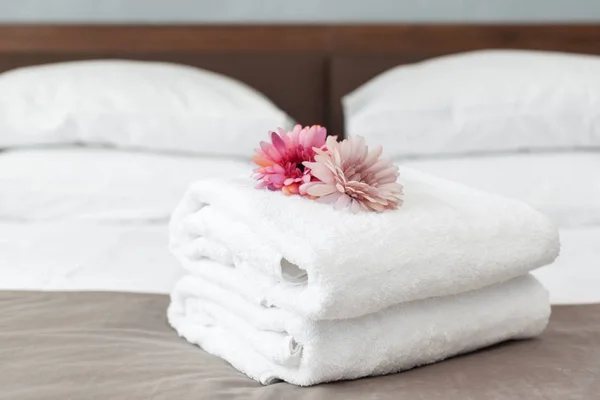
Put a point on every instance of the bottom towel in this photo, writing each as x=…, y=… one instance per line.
x=269, y=344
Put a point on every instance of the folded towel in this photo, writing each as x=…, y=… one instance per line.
x=269, y=344
x=445, y=239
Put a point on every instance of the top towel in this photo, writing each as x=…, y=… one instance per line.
x=324, y=263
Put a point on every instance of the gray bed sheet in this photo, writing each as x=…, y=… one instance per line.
x=102, y=345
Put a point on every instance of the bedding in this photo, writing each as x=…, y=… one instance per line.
x=564, y=186
x=134, y=104
x=86, y=256
x=88, y=218
x=104, y=345
x=74, y=342
x=100, y=185
x=574, y=278
x=486, y=101
x=105, y=240
x=135, y=258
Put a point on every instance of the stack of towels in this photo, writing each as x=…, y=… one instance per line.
x=284, y=288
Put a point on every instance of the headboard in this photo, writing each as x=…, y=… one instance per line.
x=305, y=70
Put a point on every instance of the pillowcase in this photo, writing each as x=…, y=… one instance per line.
x=101, y=185
x=134, y=104
x=480, y=102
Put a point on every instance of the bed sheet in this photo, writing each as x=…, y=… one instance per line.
x=574, y=278
x=86, y=256
x=89, y=244
x=135, y=258
x=564, y=186
x=118, y=346
x=100, y=184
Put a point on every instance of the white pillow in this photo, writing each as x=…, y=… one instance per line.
x=483, y=101
x=134, y=104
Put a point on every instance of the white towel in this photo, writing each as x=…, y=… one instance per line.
x=446, y=239
x=270, y=344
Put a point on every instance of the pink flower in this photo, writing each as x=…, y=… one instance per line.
x=350, y=175
x=281, y=162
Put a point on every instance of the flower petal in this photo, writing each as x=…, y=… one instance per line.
x=319, y=138
x=270, y=151
x=372, y=156
x=330, y=198
x=321, y=189
x=278, y=143
x=342, y=202
x=308, y=137
x=262, y=161
x=304, y=187
x=355, y=206
x=321, y=172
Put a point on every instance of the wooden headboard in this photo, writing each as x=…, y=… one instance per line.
x=305, y=70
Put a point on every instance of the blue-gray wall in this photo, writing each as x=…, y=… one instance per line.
x=305, y=11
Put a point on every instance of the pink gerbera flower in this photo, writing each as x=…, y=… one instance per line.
x=349, y=175
x=281, y=162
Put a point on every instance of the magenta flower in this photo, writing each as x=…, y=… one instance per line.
x=349, y=175
x=281, y=162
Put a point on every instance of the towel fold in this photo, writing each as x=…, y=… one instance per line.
x=326, y=264
x=270, y=344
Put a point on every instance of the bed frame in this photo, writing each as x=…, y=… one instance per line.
x=305, y=70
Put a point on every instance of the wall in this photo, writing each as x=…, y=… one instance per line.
x=290, y=11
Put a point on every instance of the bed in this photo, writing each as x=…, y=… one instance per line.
x=82, y=300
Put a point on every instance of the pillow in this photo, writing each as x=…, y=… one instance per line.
x=134, y=104
x=101, y=185
x=480, y=102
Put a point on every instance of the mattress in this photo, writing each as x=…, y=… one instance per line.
x=102, y=345
x=574, y=278
x=135, y=258
x=86, y=256
x=100, y=185
x=96, y=219
x=564, y=186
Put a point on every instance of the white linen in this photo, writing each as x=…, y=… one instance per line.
x=99, y=184
x=78, y=254
x=480, y=102
x=445, y=239
x=94, y=219
x=564, y=186
x=270, y=344
x=574, y=278
x=134, y=104
x=135, y=258
x=86, y=256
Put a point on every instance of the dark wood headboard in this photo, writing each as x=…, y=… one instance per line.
x=305, y=70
